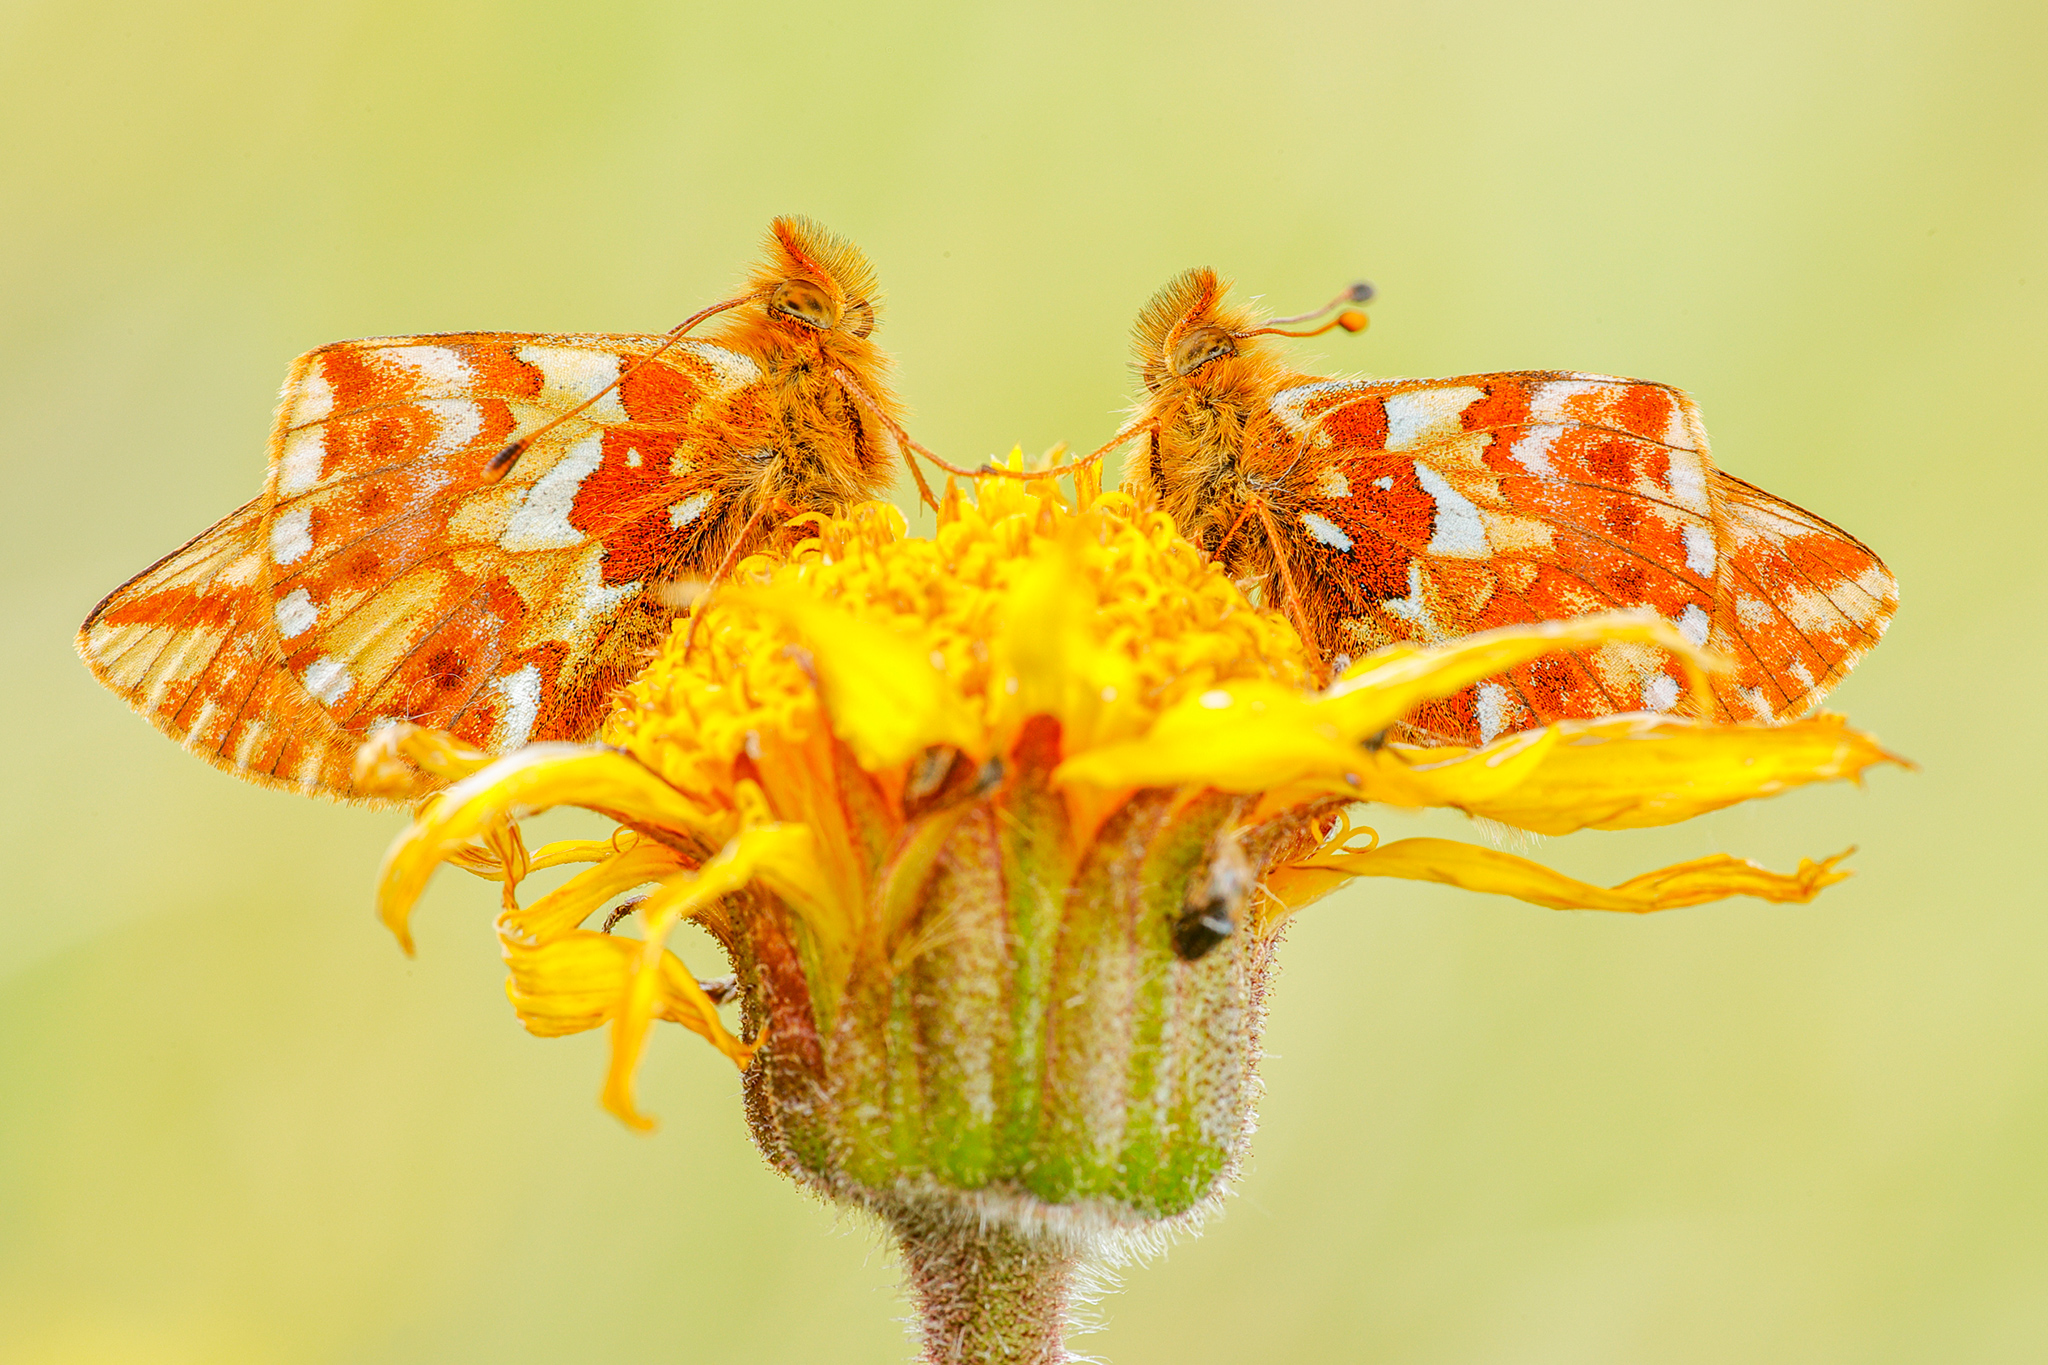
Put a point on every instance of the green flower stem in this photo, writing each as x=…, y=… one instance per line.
x=984, y=1292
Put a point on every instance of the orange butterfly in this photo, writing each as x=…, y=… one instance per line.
x=481, y=532
x=1378, y=511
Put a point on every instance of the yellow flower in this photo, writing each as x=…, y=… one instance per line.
x=999, y=829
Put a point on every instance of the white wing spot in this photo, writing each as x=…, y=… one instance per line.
x=1384, y=482
x=1331, y=483
x=295, y=613
x=197, y=735
x=458, y=422
x=1686, y=477
x=1413, y=607
x=245, y=747
x=298, y=464
x=1692, y=624
x=519, y=694
x=1878, y=584
x=1660, y=692
x=1493, y=711
x=542, y=521
x=1531, y=450
x=569, y=375
x=1420, y=416
x=1326, y=531
x=314, y=399
x=1552, y=402
x=1457, y=532
x=433, y=367
x=328, y=679
x=1699, y=549
x=1288, y=403
x=291, y=536
x=689, y=509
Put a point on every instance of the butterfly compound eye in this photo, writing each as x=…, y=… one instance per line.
x=1198, y=348
x=806, y=302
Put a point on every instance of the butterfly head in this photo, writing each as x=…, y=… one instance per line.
x=1186, y=330
x=814, y=285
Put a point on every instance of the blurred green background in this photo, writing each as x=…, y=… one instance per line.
x=237, y=1125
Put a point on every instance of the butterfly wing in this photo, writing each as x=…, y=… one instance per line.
x=401, y=584
x=1428, y=509
x=185, y=643
x=1801, y=601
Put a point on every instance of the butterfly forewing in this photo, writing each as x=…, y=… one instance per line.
x=405, y=586
x=1429, y=509
x=397, y=568
x=186, y=643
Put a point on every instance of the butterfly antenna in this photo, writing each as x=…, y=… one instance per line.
x=500, y=464
x=1351, y=320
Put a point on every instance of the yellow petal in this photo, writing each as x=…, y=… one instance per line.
x=385, y=762
x=782, y=856
x=1258, y=736
x=533, y=779
x=569, y=904
x=1630, y=772
x=1243, y=738
x=886, y=694
x=1382, y=688
x=1503, y=874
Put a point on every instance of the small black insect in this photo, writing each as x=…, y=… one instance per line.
x=1201, y=928
x=1210, y=915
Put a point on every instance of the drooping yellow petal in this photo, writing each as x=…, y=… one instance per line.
x=533, y=779
x=779, y=855
x=1503, y=874
x=1382, y=688
x=1632, y=772
x=569, y=904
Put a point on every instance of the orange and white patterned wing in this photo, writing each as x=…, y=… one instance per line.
x=186, y=643
x=1428, y=509
x=400, y=584
x=1801, y=601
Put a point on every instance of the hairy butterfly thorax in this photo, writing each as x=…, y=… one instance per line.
x=485, y=532
x=1381, y=511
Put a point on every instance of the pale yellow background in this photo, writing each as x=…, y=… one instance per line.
x=236, y=1125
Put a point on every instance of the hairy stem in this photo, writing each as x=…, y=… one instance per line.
x=985, y=1293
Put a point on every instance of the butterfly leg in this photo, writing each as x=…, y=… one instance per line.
x=1216, y=554
x=732, y=555
x=1295, y=608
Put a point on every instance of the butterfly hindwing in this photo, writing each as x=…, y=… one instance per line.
x=1428, y=509
x=1802, y=601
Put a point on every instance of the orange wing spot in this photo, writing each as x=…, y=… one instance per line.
x=659, y=392
x=1360, y=424
x=180, y=608
x=1644, y=410
x=1506, y=404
